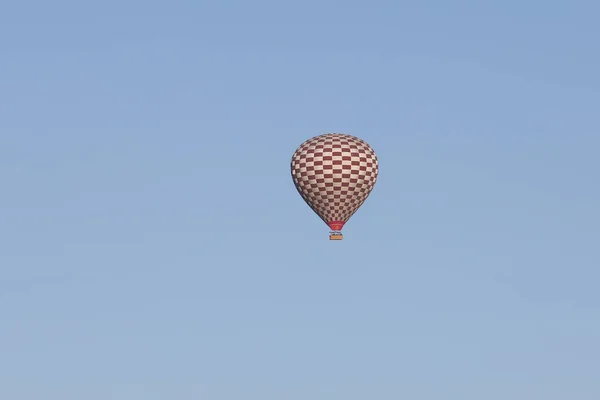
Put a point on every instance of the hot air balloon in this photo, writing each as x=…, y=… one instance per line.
x=334, y=173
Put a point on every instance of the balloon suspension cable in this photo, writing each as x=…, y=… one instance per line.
x=335, y=235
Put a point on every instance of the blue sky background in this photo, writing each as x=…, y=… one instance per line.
x=154, y=247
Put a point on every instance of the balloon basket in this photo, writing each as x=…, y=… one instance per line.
x=335, y=235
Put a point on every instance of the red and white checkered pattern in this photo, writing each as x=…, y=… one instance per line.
x=335, y=174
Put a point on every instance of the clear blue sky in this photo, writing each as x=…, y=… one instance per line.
x=153, y=245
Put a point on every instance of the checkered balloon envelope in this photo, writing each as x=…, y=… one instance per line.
x=334, y=173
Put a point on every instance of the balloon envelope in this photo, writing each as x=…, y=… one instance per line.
x=334, y=173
